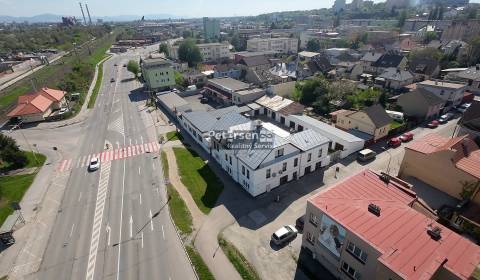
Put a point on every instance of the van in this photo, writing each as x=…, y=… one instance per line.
x=366, y=154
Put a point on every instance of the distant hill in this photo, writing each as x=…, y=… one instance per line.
x=58, y=18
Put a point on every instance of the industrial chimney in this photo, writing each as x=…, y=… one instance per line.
x=83, y=14
x=88, y=13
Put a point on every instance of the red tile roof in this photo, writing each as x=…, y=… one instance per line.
x=36, y=102
x=470, y=164
x=432, y=143
x=400, y=232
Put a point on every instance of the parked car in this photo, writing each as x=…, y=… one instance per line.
x=63, y=111
x=394, y=142
x=366, y=155
x=445, y=118
x=433, y=124
x=203, y=100
x=407, y=136
x=462, y=108
x=300, y=222
x=94, y=164
x=284, y=234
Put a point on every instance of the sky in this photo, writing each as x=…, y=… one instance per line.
x=181, y=8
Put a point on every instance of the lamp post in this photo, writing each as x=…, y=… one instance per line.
x=389, y=160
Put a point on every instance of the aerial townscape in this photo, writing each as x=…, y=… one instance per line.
x=270, y=140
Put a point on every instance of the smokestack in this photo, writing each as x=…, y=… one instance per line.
x=88, y=13
x=83, y=14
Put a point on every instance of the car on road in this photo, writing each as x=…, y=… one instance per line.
x=300, y=222
x=445, y=118
x=433, y=124
x=394, y=142
x=63, y=111
x=94, y=164
x=366, y=155
x=407, y=136
x=284, y=234
x=112, y=80
x=203, y=100
x=462, y=108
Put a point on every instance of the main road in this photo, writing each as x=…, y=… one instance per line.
x=113, y=223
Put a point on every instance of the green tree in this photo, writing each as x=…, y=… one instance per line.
x=164, y=49
x=313, y=45
x=430, y=53
x=430, y=36
x=187, y=34
x=401, y=18
x=473, y=52
x=240, y=44
x=310, y=90
x=10, y=152
x=189, y=52
x=133, y=67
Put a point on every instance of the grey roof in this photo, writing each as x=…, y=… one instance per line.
x=371, y=56
x=171, y=100
x=252, y=61
x=203, y=121
x=254, y=106
x=396, y=75
x=328, y=129
x=220, y=112
x=388, y=60
x=471, y=117
x=229, y=83
x=430, y=98
x=228, y=120
x=470, y=74
x=307, y=139
x=378, y=115
x=425, y=66
x=152, y=62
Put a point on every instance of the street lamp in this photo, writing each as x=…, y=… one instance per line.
x=389, y=160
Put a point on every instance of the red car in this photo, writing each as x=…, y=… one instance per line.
x=394, y=142
x=433, y=124
x=408, y=136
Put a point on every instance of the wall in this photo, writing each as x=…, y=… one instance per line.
x=159, y=77
x=283, y=89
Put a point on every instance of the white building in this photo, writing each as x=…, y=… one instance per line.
x=210, y=51
x=451, y=93
x=279, y=45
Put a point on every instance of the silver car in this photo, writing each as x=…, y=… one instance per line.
x=284, y=234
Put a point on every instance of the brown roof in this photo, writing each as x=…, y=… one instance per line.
x=378, y=115
x=36, y=102
x=291, y=109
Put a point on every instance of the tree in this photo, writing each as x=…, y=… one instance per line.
x=430, y=36
x=133, y=67
x=313, y=45
x=473, y=52
x=164, y=49
x=430, y=53
x=187, y=34
x=310, y=90
x=189, y=52
x=240, y=44
x=401, y=18
x=11, y=153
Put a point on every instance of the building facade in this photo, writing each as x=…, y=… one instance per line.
x=278, y=45
x=157, y=73
x=210, y=51
x=211, y=28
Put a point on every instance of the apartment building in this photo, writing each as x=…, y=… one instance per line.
x=373, y=226
x=157, y=73
x=278, y=45
x=210, y=51
x=211, y=28
x=451, y=93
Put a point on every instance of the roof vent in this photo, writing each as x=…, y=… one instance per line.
x=385, y=178
x=374, y=209
x=435, y=233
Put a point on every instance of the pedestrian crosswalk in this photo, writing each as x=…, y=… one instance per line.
x=109, y=155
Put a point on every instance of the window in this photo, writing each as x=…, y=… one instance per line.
x=230, y=160
x=350, y=271
x=284, y=167
x=268, y=174
x=279, y=153
x=243, y=170
x=313, y=219
x=309, y=157
x=320, y=153
x=248, y=174
x=295, y=162
x=357, y=252
x=310, y=238
x=226, y=157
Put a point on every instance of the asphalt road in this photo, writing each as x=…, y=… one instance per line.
x=113, y=223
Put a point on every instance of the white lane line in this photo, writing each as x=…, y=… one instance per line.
x=97, y=220
x=84, y=161
x=140, y=199
x=80, y=196
x=139, y=170
x=163, y=233
x=136, y=142
x=151, y=220
x=142, y=239
x=78, y=163
x=131, y=226
x=108, y=229
x=153, y=165
x=121, y=218
x=141, y=139
x=130, y=140
x=71, y=231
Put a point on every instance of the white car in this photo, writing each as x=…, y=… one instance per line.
x=284, y=234
x=63, y=111
x=94, y=164
x=462, y=108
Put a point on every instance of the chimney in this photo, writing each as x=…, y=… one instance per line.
x=374, y=209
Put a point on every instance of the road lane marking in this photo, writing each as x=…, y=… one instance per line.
x=131, y=226
x=163, y=233
x=121, y=218
x=130, y=140
x=97, y=220
x=80, y=196
x=141, y=139
x=142, y=239
x=140, y=199
x=151, y=220
x=153, y=165
x=71, y=230
x=139, y=170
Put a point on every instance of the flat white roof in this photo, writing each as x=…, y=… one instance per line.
x=275, y=129
x=441, y=84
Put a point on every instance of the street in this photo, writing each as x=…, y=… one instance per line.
x=112, y=223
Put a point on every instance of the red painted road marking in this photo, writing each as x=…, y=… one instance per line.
x=129, y=149
x=62, y=165
x=69, y=163
x=116, y=154
x=134, y=150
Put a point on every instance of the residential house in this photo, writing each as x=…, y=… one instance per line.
x=469, y=76
x=451, y=93
x=394, y=78
x=279, y=108
x=389, y=60
x=420, y=104
x=157, y=73
x=373, y=121
x=373, y=226
x=195, y=78
x=424, y=68
x=368, y=59
x=39, y=105
x=278, y=45
x=226, y=70
x=256, y=70
x=307, y=56
x=469, y=123
x=318, y=64
x=221, y=90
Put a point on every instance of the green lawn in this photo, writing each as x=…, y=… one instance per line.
x=12, y=188
x=198, y=264
x=199, y=179
x=395, y=124
x=31, y=162
x=96, y=88
x=163, y=156
x=179, y=211
x=244, y=268
x=174, y=135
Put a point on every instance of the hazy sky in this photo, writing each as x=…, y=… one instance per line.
x=184, y=8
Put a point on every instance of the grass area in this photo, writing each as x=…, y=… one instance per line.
x=196, y=175
x=244, y=268
x=174, y=135
x=96, y=88
x=198, y=264
x=31, y=162
x=163, y=156
x=12, y=188
x=179, y=211
x=395, y=124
